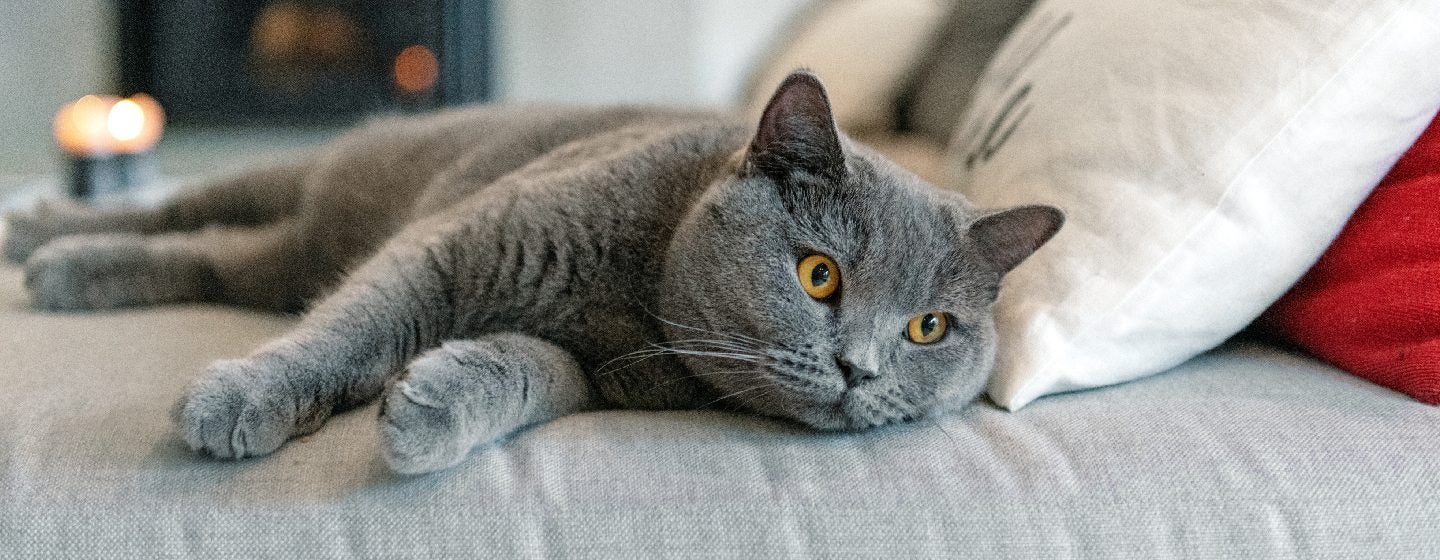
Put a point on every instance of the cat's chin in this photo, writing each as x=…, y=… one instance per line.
x=853, y=411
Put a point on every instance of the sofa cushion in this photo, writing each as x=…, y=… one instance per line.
x=1371, y=304
x=1245, y=452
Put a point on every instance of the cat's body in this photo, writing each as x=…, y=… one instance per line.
x=523, y=263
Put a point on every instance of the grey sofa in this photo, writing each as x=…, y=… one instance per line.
x=1248, y=451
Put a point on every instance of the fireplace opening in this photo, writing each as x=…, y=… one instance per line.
x=258, y=62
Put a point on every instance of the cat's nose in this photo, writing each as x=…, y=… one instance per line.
x=854, y=374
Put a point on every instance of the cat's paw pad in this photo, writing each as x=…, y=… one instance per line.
x=87, y=272
x=238, y=409
x=27, y=231
x=426, y=421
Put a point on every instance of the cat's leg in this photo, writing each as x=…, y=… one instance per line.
x=472, y=392
x=398, y=304
x=27, y=231
x=256, y=267
x=245, y=199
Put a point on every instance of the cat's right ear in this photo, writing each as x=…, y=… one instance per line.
x=1008, y=237
x=797, y=132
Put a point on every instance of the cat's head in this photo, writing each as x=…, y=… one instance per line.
x=824, y=284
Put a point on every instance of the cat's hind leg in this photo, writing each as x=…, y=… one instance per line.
x=255, y=267
x=27, y=231
x=250, y=198
x=471, y=392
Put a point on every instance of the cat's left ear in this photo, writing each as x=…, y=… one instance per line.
x=1008, y=237
x=797, y=132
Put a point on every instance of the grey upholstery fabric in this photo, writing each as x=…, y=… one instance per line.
x=1246, y=452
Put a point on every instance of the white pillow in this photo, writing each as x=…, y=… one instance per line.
x=1205, y=153
x=862, y=49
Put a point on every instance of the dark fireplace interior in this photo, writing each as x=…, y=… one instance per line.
x=258, y=62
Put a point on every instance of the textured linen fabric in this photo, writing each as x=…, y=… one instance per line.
x=1246, y=452
x=1371, y=305
x=1205, y=152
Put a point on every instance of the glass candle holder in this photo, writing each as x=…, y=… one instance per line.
x=107, y=140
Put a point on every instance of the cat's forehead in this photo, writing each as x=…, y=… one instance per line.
x=873, y=209
x=930, y=266
x=900, y=241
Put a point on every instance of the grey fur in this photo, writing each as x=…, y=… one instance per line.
x=469, y=392
x=526, y=263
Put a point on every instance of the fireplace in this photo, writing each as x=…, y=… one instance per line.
x=227, y=62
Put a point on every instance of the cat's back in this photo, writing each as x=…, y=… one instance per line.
x=391, y=161
x=534, y=140
x=390, y=171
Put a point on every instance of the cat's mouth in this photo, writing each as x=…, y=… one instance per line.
x=855, y=410
x=865, y=409
x=793, y=383
x=824, y=402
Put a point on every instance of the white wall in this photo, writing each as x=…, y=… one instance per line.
x=690, y=52
x=51, y=52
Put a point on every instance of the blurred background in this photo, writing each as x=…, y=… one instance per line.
x=242, y=79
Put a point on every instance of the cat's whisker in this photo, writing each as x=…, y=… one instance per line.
x=703, y=343
x=637, y=357
x=699, y=375
x=735, y=336
x=720, y=344
x=752, y=358
x=715, y=340
x=726, y=352
x=656, y=350
x=729, y=349
x=767, y=384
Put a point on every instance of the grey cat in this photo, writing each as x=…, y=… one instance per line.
x=491, y=268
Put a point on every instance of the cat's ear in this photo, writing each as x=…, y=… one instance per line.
x=797, y=132
x=1008, y=237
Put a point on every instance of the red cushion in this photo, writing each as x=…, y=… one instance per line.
x=1371, y=305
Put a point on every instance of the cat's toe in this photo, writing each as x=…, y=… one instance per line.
x=27, y=231
x=433, y=416
x=82, y=272
x=419, y=433
x=24, y=233
x=235, y=410
x=107, y=271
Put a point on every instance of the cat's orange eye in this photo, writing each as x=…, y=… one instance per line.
x=927, y=328
x=819, y=275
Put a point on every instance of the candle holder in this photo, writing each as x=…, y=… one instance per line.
x=108, y=174
x=107, y=142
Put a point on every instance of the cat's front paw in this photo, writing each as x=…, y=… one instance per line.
x=432, y=416
x=239, y=408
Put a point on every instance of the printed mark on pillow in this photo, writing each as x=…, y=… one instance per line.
x=1000, y=123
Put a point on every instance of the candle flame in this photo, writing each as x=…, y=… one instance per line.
x=126, y=120
x=97, y=125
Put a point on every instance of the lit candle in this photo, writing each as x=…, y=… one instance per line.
x=106, y=139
